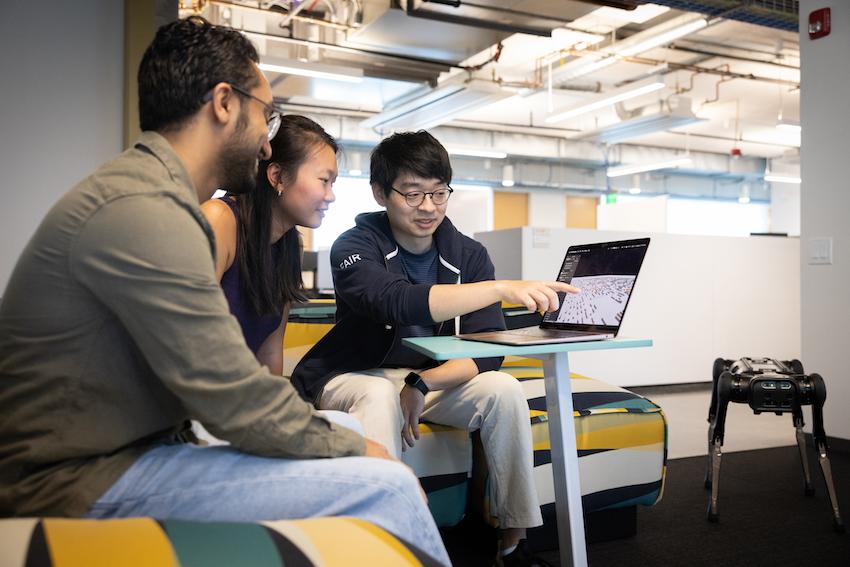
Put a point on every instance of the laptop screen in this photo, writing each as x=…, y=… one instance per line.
x=606, y=274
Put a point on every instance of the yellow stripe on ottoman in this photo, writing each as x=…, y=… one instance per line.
x=512, y=360
x=616, y=431
x=93, y=543
x=351, y=542
x=304, y=334
x=608, y=431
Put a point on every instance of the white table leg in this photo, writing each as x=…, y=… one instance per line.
x=562, y=438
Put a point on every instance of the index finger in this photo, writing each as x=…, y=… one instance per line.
x=560, y=286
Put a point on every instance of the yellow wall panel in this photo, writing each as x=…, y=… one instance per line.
x=510, y=210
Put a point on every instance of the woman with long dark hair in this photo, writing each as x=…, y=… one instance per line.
x=258, y=247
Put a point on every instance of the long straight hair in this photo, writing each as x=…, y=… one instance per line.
x=270, y=285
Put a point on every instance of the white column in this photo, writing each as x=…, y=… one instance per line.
x=825, y=203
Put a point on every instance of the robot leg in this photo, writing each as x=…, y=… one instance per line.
x=724, y=390
x=819, y=435
x=801, y=446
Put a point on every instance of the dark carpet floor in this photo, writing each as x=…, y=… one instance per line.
x=765, y=520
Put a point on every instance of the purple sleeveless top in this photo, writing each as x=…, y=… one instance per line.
x=255, y=328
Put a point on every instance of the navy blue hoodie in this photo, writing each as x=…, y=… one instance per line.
x=374, y=298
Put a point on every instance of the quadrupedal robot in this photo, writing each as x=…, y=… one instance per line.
x=768, y=385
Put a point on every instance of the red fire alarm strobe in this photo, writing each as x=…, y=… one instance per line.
x=819, y=23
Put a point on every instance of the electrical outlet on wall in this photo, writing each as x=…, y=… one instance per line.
x=820, y=250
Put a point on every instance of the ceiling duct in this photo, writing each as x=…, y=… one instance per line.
x=424, y=110
x=391, y=30
x=533, y=17
x=621, y=4
x=679, y=115
x=322, y=42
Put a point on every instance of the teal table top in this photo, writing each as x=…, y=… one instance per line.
x=446, y=348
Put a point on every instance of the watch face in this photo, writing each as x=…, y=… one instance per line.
x=412, y=378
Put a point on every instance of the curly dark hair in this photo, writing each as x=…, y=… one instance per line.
x=418, y=153
x=186, y=59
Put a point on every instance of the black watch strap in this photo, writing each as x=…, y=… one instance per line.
x=415, y=380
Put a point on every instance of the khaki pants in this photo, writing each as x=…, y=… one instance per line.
x=492, y=403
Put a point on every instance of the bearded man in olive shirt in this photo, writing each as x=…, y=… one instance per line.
x=114, y=332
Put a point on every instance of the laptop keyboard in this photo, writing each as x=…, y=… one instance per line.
x=538, y=332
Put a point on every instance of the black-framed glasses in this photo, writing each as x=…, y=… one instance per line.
x=273, y=120
x=416, y=198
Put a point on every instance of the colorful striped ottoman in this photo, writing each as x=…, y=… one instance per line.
x=621, y=439
x=143, y=542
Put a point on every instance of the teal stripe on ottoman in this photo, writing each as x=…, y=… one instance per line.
x=221, y=544
x=448, y=503
x=641, y=404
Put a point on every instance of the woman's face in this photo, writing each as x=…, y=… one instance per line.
x=304, y=202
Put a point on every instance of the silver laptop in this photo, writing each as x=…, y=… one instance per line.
x=606, y=274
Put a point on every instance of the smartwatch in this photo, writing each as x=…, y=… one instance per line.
x=414, y=380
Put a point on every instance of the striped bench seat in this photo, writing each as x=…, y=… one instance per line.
x=144, y=542
x=621, y=439
x=622, y=447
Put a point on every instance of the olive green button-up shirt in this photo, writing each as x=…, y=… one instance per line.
x=114, y=331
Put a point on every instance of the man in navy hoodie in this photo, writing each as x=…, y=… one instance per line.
x=408, y=272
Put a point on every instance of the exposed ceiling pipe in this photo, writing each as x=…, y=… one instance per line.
x=709, y=47
x=326, y=23
x=698, y=69
x=717, y=53
x=511, y=128
x=713, y=71
x=723, y=79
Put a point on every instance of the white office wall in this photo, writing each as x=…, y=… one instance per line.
x=638, y=214
x=697, y=298
x=61, y=111
x=785, y=208
x=471, y=208
x=825, y=205
x=716, y=218
x=547, y=208
x=690, y=216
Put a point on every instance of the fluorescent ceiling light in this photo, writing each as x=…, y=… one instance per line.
x=789, y=127
x=642, y=41
x=476, y=152
x=639, y=15
x=778, y=178
x=315, y=70
x=680, y=115
x=660, y=39
x=621, y=170
x=607, y=99
x=581, y=67
x=437, y=106
x=507, y=175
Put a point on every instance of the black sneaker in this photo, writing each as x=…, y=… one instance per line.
x=520, y=557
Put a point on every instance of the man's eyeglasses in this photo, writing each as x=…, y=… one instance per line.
x=274, y=115
x=416, y=198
